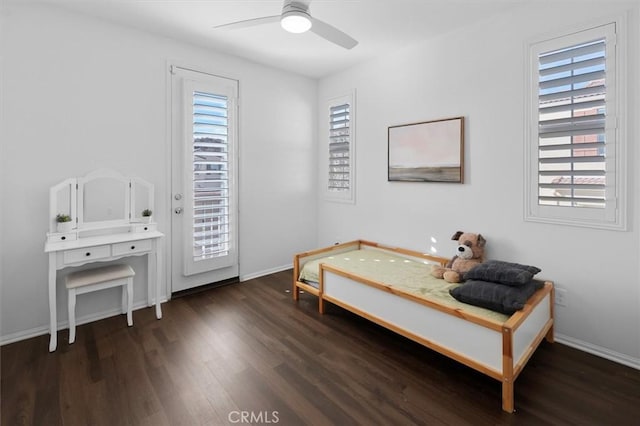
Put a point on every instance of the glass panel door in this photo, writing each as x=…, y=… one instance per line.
x=204, y=225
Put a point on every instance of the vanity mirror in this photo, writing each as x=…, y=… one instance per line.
x=141, y=199
x=101, y=200
x=62, y=201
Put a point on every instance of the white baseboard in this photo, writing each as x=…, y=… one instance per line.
x=598, y=351
x=259, y=274
x=39, y=331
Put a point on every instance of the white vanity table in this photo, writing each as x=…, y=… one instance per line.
x=106, y=212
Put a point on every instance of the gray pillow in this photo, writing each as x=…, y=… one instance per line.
x=498, y=271
x=497, y=297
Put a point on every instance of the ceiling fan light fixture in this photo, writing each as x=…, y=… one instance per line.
x=296, y=18
x=296, y=21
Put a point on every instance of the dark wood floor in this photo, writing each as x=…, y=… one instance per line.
x=246, y=353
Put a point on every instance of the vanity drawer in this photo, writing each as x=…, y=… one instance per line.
x=132, y=247
x=60, y=237
x=89, y=253
x=145, y=227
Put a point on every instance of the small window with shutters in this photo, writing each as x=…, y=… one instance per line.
x=574, y=170
x=341, y=149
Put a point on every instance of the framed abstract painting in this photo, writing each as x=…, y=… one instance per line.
x=430, y=151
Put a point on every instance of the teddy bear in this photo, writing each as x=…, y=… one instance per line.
x=469, y=253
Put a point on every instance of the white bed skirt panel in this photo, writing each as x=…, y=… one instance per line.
x=444, y=330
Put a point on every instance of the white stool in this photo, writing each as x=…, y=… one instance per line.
x=89, y=280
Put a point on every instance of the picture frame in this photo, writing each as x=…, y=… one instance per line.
x=428, y=151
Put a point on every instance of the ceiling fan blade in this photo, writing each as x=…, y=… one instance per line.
x=249, y=22
x=332, y=34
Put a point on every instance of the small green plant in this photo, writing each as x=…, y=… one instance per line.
x=61, y=218
x=146, y=213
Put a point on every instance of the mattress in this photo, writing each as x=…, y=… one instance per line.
x=408, y=275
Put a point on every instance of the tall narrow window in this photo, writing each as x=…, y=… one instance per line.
x=341, y=149
x=211, y=236
x=574, y=172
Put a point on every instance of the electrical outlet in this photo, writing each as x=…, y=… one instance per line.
x=561, y=297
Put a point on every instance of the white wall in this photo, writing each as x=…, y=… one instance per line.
x=478, y=73
x=79, y=94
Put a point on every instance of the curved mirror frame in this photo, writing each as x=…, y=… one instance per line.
x=101, y=199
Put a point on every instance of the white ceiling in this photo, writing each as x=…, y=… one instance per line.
x=379, y=26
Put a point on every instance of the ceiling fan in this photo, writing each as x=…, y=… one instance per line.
x=296, y=18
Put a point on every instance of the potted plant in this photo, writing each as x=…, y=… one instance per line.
x=64, y=222
x=146, y=215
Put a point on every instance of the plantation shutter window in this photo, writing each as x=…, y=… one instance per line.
x=339, y=161
x=341, y=150
x=574, y=170
x=571, y=127
x=210, y=176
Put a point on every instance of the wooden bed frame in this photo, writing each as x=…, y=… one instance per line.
x=499, y=350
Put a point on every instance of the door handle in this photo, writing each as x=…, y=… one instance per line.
x=178, y=210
